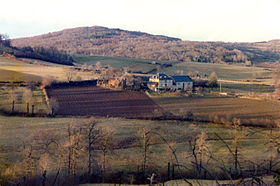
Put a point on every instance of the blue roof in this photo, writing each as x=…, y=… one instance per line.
x=181, y=78
x=163, y=77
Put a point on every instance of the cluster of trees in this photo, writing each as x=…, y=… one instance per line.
x=102, y=41
x=81, y=154
x=50, y=54
x=25, y=96
x=4, y=40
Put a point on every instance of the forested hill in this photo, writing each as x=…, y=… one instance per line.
x=50, y=54
x=102, y=41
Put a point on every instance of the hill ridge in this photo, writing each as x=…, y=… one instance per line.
x=103, y=41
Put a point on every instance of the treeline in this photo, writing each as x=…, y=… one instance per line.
x=103, y=41
x=50, y=54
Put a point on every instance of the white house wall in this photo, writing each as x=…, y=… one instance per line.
x=165, y=84
x=180, y=85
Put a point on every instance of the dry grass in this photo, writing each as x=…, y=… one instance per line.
x=40, y=70
x=16, y=130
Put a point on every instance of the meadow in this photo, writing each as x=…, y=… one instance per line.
x=17, y=132
x=243, y=88
x=36, y=70
x=224, y=71
x=8, y=75
x=136, y=65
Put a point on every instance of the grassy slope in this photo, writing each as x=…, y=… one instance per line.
x=117, y=62
x=8, y=75
x=16, y=130
x=40, y=70
x=230, y=72
x=244, y=88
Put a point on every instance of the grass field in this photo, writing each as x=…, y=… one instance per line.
x=16, y=131
x=18, y=70
x=7, y=75
x=230, y=72
x=137, y=65
x=244, y=88
x=224, y=71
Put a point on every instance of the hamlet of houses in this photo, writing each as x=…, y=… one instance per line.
x=164, y=82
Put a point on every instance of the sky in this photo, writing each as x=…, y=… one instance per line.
x=194, y=20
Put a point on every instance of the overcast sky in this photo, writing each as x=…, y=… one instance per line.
x=200, y=20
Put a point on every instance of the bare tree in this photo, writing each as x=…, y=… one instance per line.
x=237, y=133
x=145, y=140
x=27, y=98
x=54, y=105
x=13, y=97
x=276, y=78
x=74, y=147
x=236, y=143
x=213, y=80
x=46, y=82
x=248, y=63
x=90, y=67
x=98, y=66
x=272, y=144
x=40, y=151
x=69, y=74
x=85, y=66
x=105, y=145
x=92, y=136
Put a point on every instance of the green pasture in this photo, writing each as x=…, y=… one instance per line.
x=136, y=65
x=243, y=88
x=224, y=71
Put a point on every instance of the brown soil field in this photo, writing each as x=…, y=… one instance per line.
x=222, y=109
x=98, y=101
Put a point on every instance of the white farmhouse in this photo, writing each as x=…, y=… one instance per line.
x=160, y=82
x=164, y=82
x=181, y=82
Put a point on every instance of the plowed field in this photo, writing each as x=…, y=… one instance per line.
x=98, y=101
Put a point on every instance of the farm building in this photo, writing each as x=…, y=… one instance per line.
x=160, y=82
x=164, y=82
x=181, y=82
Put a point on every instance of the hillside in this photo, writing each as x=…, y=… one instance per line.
x=50, y=54
x=102, y=41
